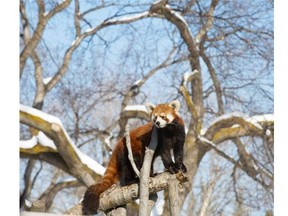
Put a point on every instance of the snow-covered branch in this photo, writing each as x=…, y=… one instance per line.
x=163, y=9
x=56, y=137
x=236, y=124
x=139, y=111
x=188, y=77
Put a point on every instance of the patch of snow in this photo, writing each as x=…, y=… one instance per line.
x=74, y=42
x=47, y=80
x=204, y=139
x=41, y=139
x=254, y=122
x=41, y=114
x=180, y=17
x=235, y=126
x=203, y=131
x=45, y=141
x=89, y=30
x=26, y=144
x=268, y=132
x=91, y=163
x=137, y=82
x=141, y=108
x=128, y=18
x=107, y=140
x=227, y=116
x=262, y=118
x=187, y=76
x=197, y=40
x=28, y=203
x=168, y=6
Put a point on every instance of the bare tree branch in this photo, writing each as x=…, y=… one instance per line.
x=49, y=195
x=130, y=154
x=145, y=173
x=207, y=26
x=207, y=199
x=174, y=196
x=42, y=21
x=116, y=196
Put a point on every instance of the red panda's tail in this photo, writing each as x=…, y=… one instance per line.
x=91, y=197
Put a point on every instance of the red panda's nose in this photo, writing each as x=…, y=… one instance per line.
x=157, y=123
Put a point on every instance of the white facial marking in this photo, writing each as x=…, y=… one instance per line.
x=160, y=122
x=170, y=117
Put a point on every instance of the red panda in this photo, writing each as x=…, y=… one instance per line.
x=171, y=136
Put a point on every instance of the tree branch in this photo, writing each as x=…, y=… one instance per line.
x=117, y=196
x=174, y=202
x=52, y=127
x=42, y=21
x=207, y=26
x=145, y=173
x=181, y=24
x=130, y=154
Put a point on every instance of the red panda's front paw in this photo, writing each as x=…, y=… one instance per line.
x=172, y=168
x=176, y=167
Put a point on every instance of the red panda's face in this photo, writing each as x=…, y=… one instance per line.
x=163, y=114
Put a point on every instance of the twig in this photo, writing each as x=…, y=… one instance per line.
x=130, y=154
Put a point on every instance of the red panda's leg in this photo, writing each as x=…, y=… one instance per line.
x=167, y=160
x=178, y=156
x=128, y=176
x=178, y=151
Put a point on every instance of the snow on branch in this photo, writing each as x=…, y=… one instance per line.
x=194, y=103
x=118, y=20
x=39, y=143
x=237, y=124
x=55, y=136
x=187, y=77
x=136, y=111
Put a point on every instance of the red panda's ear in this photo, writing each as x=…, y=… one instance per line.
x=150, y=107
x=175, y=105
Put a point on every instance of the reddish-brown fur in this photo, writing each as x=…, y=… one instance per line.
x=120, y=169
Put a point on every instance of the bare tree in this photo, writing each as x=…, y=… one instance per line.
x=89, y=62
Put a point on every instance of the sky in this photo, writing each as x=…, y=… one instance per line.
x=10, y=107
